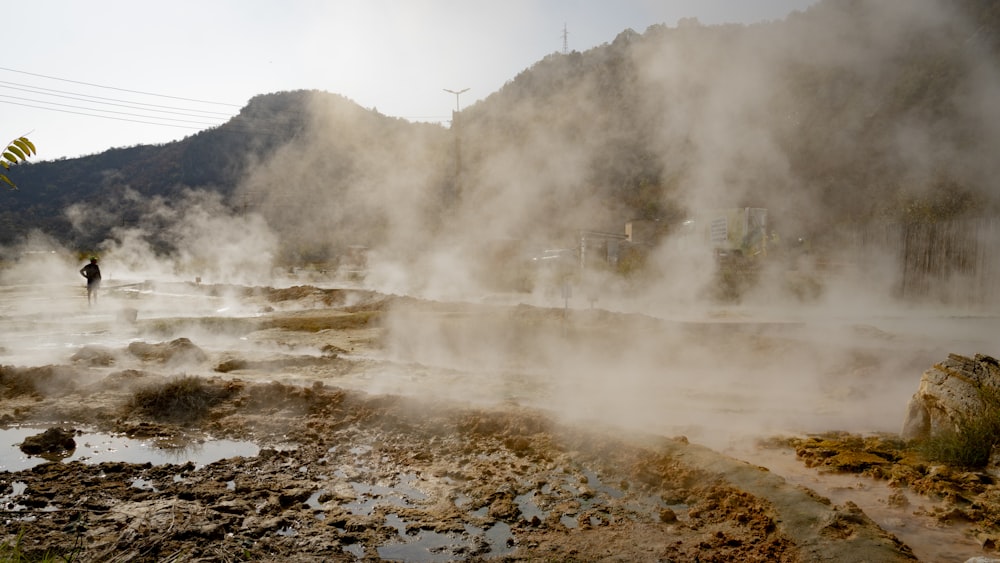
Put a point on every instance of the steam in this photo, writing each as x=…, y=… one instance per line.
x=430, y=207
x=844, y=355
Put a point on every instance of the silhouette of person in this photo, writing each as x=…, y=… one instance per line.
x=93, y=274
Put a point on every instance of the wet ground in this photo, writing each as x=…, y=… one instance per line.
x=230, y=423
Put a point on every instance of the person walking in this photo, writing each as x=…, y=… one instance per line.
x=93, y=274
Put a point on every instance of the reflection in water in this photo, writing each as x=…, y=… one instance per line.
x=97, y=447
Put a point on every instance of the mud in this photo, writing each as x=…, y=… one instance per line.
x=348, y=470
x=353, y=476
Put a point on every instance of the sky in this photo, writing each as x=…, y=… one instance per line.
x=78, y=80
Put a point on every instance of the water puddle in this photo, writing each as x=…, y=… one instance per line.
x=313, y=500
x=143, y=484
x=595, y=483
x=400, y=493
x=424, y=546
x=9, y=502
x=462, y=501
x=370, y=496
x=500, y=539
x=528, y=507
x=355, y=549
x=98, y=447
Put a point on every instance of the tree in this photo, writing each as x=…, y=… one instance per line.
x=17, y=151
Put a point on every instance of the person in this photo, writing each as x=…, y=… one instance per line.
x=93, y=274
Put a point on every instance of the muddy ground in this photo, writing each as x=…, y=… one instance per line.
x=355, y=465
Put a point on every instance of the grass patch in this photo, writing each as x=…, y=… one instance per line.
x=184, y=399
x=971, y=442
x=313, y=323
x=44, y=380
x=15, y=552
x=215, y=325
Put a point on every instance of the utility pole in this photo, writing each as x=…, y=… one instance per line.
x=457, y=94
x=565, y=37
x=458, y=149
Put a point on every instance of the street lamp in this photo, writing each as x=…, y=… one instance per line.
x=457, y=94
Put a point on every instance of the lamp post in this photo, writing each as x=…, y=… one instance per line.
x=457, y=94
x=458, y=149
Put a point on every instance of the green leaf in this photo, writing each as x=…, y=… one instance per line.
x=10, y=157
x=5, y=179
x=17, y=151
x=25, y=145
x=5, y=164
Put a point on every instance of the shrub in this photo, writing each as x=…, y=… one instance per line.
x=183, y=399
x=971, y=442
x=15, y=552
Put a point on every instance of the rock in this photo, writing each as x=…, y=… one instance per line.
x=947, y=392
x=175, y=351
x=897, y=500
x=237, y=507
x=53, y=441
x=668, y=516
x=503, y=507
x=987, y=542
x=292, y=497
x=94, y=356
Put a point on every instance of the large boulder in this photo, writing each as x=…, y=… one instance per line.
x=949, y=391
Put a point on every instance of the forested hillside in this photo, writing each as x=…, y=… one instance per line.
x=852, y=112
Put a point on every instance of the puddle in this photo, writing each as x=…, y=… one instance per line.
x=355, y=549
x=143, y=485
x=394, y=521
x=500, y=539
x=426, y=546
x=97, y=447
x=401, y=495
x=595, y=484
x=9, y=502
x=529, y=509
x=313, y=500
x=462, y=501
x=370, y=496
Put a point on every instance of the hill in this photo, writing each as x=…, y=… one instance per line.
x=849, y=113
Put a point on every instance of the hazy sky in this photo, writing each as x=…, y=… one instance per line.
x=78, y=78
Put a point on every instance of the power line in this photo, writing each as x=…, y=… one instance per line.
x=138, y=106
x=101, y=116
x=118, y=89
x=106, y=110
x=59, y=93
x=142, y=118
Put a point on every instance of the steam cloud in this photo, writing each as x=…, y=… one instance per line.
x=715, y=100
